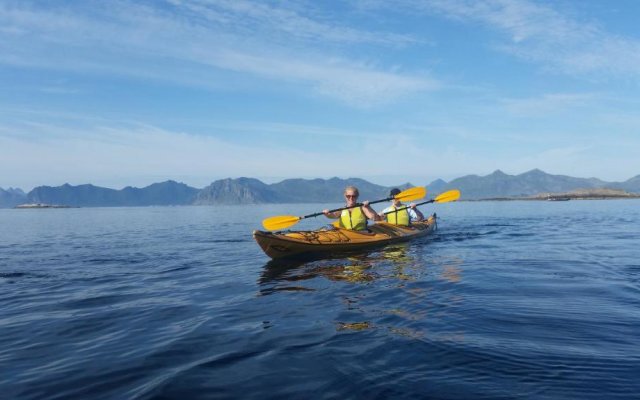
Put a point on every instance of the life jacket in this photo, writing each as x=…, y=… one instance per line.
x=400, y=217
x=354, y=220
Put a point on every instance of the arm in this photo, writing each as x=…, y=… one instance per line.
x=382, y=215
x=369, y=212
x=332, y=215
x=418, y=213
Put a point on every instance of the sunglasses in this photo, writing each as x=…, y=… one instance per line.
x=351, y=196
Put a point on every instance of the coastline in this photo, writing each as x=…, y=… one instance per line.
x=41, y=205
x=579, y=194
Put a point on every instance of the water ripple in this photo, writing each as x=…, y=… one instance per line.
x=506, y=301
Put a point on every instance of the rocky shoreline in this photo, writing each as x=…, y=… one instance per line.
x=580, y=194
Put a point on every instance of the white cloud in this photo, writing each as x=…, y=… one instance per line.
x=125, y=38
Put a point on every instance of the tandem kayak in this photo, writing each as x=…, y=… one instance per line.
x=337, y=240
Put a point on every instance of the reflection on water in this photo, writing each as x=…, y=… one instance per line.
x=354, y=326
x=396, y=290
x=451, y=270
x=356, y=268
x=391, y=262
x=356, y=273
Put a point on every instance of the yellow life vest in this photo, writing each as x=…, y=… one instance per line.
x=354, y=220
x=399, y=217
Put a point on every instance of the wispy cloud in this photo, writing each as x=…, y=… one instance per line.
x=247, y=17
x=197, y=41
x=539, y=33
x=546, y=104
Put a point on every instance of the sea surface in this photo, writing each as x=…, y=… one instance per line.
x=507, y=300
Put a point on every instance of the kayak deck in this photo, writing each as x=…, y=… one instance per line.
x=306, y=243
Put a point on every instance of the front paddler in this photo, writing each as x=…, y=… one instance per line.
x=354, y=218
x=400, y=214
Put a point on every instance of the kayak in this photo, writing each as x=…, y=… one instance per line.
x=325, y=241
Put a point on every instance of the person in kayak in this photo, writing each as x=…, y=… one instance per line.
x=353, y=218
x=400, y=214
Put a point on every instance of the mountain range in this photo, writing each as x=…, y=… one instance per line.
x=501, y=185
x=253, y=191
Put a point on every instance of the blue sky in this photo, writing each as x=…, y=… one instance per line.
x=121, y=93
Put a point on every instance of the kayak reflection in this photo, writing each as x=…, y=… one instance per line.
x=401, y=290
x=422, y=302
x=392, y=262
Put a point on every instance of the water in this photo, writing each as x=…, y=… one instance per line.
x=529, y=300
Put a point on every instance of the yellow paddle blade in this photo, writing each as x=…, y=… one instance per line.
x=411, y=194
x=280, y=222
x=451, y=195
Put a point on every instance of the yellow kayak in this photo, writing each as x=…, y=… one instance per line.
x=323, y=241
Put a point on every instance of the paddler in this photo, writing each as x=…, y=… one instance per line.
x=400, y=214
x=353, y=218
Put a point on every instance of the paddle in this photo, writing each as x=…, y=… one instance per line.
x=285, y=221
x=451, y=195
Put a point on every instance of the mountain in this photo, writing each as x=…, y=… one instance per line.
x=632, y=185
x=11, y=197
x=326, y=191
x=82, y=195
x=165, y=193
x=161, y=194
x=437, y=186
x=224, y=191
x=237, y=191
x=498, y=184
x=253, y=191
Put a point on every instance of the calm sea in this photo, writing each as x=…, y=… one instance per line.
x=507, y=300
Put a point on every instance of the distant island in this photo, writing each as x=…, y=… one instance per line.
x=531, y=185
x=580, y=194
x=41, y=205
x=588, y=194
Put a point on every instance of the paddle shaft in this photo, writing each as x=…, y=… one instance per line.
x=346, y=208
x=404, y=208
